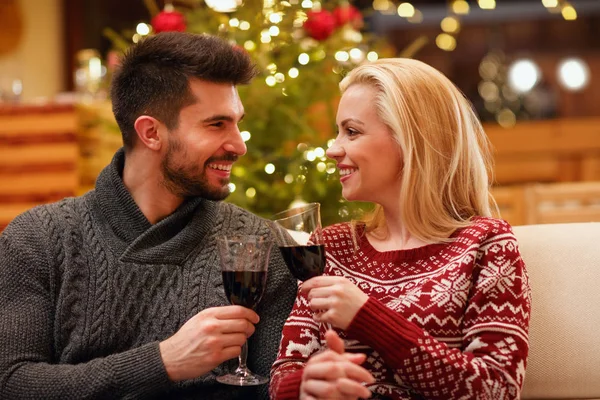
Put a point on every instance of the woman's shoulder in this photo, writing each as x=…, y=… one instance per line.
x=486, y=229
x=341, y=231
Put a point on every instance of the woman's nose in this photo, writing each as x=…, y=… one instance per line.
x=335, y=151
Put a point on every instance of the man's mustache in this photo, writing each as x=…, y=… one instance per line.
x=226, y=157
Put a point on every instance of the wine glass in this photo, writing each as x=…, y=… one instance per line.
x=244, y=263
x=301, y=240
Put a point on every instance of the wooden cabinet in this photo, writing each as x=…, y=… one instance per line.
x=38, y=157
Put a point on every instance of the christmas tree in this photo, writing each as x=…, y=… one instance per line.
x=302, y=49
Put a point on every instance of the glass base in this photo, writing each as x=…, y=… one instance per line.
x=242, y=377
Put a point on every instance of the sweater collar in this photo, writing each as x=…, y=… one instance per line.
x=135, y=238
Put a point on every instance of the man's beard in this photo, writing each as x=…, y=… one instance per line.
x=190, y=181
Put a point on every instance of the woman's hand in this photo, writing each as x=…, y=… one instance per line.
x=334, y=299
x=334, y=374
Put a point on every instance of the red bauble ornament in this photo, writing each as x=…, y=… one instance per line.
x=319, y=24
x=168, y=20
x=348, y=14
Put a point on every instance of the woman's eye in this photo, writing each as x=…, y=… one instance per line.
x=351, y=132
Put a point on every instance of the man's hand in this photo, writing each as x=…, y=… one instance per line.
x=206, y=340
x=334, y=299
x=334, y=374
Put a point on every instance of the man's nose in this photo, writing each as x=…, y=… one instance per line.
x=235, y=143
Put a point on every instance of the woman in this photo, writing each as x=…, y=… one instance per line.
x=430, y=287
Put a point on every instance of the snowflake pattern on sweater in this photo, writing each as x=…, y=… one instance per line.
x=443, y=321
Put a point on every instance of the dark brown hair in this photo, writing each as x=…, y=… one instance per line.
x=153, y=78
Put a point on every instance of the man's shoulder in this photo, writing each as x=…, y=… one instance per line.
x=51, y=215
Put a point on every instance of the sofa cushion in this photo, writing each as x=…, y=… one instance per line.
x=563, y=262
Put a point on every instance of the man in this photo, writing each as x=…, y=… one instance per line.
x=118, y=293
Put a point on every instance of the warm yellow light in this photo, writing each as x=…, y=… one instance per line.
x=274, y=30
x=244, y=25
x=550, y=3
x=272, y=68
x=142, y=29
x=445, y=42
x=249, y=45
x=275, y=18
x=293, y=72
x=245, y=135
x=269, y=168
x=321, y=167
x=279, y=77
x=406, y=10
x=381, y=5
x=342, y=56
x=450, y=25
x=307, y=4
x=289, y=178
x=372, y=56
x=231, y=187
x=460, y=7
x=487, y=4
x=319, y=152
x=234, y=22
x=568, y=12
x=251, y=192
x=270, y=80
x=303, y=58
x=417, y=18
x=506, y=118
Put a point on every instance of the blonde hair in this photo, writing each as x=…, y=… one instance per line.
x=446, y=155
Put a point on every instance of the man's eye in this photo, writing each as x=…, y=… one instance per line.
x=218, y=124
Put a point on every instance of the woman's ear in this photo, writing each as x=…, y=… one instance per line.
x=147, y=129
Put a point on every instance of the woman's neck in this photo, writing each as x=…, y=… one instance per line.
x=393, y=235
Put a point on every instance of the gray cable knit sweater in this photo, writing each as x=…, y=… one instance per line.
x=88, y=288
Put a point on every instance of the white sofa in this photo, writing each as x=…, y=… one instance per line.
x=563, y=261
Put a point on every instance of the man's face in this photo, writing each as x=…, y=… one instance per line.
x=202, y=149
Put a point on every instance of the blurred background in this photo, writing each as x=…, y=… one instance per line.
x=531, y=68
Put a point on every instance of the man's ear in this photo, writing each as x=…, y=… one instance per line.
x=147, y=129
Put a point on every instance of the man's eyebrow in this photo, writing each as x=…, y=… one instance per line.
x=218, y=118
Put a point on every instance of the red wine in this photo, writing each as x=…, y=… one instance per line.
x=304, y=262
x=244, y=288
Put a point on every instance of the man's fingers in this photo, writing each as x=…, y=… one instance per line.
x=235, y=312
x=351, y=388
x=237, y=326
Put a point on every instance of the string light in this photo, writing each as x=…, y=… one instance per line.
x=231, y=187
x=293, y=72
x=245, y=135
x=269, y=168
x=321, y=167
x=289, y=178
x=372, y=56
x=274, y=30
x=142, y=29
x=460, y=7
x=279, y=77
x=249, y=45
x=568, y=12
x=234, y=22
x=550, y=3
x=303, y=58
x=406, y=10
x=270, y=80
x=450, y=25
x=251, y=192
x=244, y=25
x=487, y=4
x=445, y=42
x=342, y=56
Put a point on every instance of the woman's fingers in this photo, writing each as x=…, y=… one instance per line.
x=350, y=388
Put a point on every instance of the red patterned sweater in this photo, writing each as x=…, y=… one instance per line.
x=443, y=321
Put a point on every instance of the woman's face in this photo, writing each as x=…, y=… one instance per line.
x=368, y=158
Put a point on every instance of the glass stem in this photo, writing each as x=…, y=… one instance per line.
x=242, y=357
